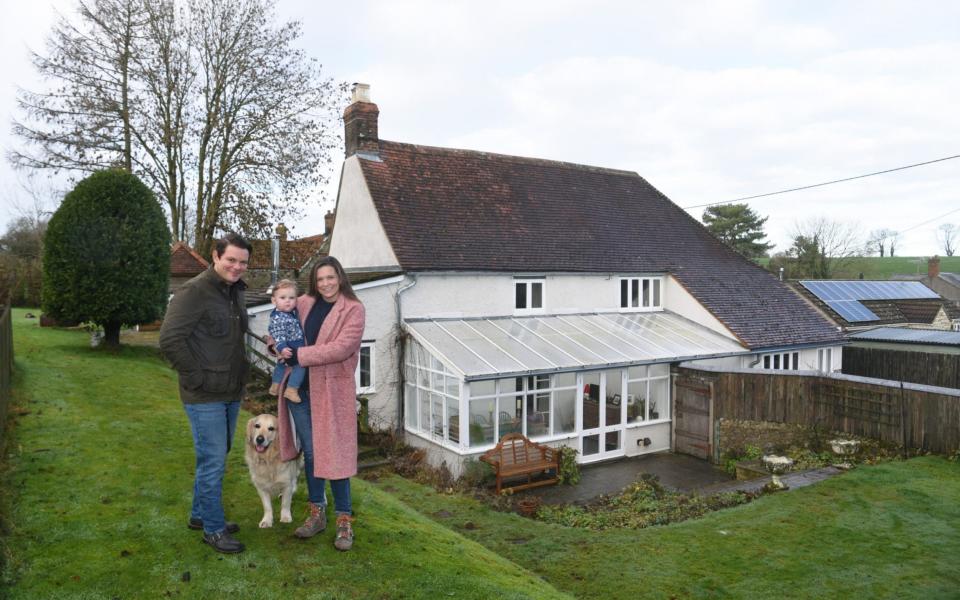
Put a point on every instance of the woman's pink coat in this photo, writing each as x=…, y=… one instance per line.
x=332, y=362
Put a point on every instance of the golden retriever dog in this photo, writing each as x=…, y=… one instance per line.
x=271, y=476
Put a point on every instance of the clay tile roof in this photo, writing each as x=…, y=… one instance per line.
x=448, y=209
x=293, y=253
x=185, y=262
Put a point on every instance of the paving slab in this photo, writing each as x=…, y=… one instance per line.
x=676, y=472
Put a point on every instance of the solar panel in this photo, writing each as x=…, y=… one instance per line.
x=844, y=296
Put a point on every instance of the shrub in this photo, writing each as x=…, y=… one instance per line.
x=569, y=469
x=106, y=255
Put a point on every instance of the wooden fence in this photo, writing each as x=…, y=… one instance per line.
x=6, y=367
x=909, y=415
x=941, y=370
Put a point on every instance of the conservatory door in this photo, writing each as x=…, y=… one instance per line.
x=602, y=415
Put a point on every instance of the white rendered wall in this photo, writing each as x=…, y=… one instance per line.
x=680, y=301
x=359, y=240
x=381, y=328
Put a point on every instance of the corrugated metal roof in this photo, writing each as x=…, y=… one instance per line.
x=482, y=348
x=951, y=278
x=909, y=336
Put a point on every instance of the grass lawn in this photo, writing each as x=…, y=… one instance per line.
x=876, y=267
x=100, y=474
x=101, y=471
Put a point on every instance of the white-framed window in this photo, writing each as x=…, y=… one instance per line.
x=365, y=368
x=955, y=325
x=780, y=361
x=641, y=293
x=529, y=294
x=537, y=406
x=431, y=396
x=825, y=360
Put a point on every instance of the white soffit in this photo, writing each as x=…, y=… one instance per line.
x=483, y=348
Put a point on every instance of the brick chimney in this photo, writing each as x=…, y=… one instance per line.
x=328, y=220
x=933, y=267
x=360, y=123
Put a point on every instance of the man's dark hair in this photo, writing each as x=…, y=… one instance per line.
x=232, y=239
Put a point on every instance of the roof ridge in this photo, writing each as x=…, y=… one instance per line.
x=513, y=158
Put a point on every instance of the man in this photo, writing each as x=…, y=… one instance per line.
x=202, y=336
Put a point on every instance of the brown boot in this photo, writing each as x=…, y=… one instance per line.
x=292, y=394
x=274, y=389
x=344, y=540
x=315, y=523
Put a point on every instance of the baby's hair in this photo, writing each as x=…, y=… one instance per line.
x=285, y=283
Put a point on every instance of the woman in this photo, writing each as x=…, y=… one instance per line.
x=325, y=421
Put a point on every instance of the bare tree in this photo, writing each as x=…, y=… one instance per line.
x=893, y=240
x=208, y=101
x=947, y=238
x=821, y=247
x=879, y=239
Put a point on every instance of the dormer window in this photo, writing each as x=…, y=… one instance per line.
x=640, y=293
x=528, y=294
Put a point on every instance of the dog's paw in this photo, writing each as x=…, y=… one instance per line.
x=266, y=523
x=286, y=517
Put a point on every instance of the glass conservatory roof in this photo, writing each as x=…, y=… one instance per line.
x=483, y=348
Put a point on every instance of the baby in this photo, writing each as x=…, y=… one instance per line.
x=286, y=331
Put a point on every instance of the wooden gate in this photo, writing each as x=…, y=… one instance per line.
x=693, y=417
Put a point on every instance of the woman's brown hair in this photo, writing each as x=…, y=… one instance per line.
x=328, y=261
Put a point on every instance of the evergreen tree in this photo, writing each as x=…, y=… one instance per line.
x=106, y=255
x=739, y=227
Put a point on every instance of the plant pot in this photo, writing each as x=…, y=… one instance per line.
x=528, y=506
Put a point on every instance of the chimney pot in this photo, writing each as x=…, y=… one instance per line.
x=933, y=267
x=360, y=92
x=282, y=232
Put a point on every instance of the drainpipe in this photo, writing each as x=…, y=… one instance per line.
x=399, y=307
x=275, y=272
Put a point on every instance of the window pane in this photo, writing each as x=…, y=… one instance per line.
x=776, y=361
x=538, y=414
x=424, y=410
x=796, y=361
x=766, y=362
x=591, y=400
x=636, y=401
x=436, y=382
x=565, y=380
x=637, y=372
x=660, y=370
x=410, y=406
x=635, y=293
x=613, y=396
x=453, y=419
x=536, y=295
x=452, y=387
x=508, y=416
x=564, y=411
x=482, y=388
x=659, y=404
x=423, y=377
x=521, y=295
x=511, y=384
x=436, y=404
x=591, y=444
x=365, y=366
x=656, y=292
x=624, y=293
x=481, y=421
x=646, y=292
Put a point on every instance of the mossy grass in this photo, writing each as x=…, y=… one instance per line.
x=97, y=492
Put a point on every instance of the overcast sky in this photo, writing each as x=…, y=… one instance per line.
x=708, y=101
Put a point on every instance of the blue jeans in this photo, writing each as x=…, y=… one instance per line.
x=297, y=373
x=213, y=425
x=316, y=486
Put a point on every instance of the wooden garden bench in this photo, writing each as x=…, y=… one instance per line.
x=516, y=455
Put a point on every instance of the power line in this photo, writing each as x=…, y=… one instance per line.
x=807, y=187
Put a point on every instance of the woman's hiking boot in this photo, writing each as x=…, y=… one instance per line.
x=315, y=523
x=292, y=394
x=344, y=540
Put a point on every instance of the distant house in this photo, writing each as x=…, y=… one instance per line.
x=185, y=264
x=292, y=261
x=857, y=305
x=507, y=294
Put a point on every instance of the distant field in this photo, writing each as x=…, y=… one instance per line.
x=874, y=267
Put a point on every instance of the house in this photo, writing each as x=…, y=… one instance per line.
x=859, y=304
x=283, y=258
x=185, y=264
x=506, y=293
x=947, y=285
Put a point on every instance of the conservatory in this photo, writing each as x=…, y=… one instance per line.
x=594, y=381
